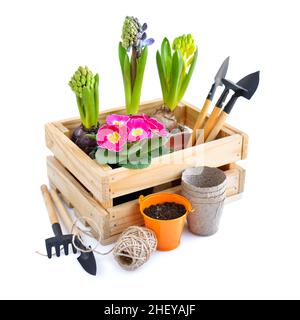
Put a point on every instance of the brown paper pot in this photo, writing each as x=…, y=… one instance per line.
x=205, y=188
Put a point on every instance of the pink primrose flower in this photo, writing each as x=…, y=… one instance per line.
x=138, y=129
x=112, y=137
x=117, y=119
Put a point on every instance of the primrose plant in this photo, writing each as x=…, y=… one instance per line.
x=175, y=68
x=130, y=141
x=133, y=52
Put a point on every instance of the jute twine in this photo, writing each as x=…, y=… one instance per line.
x=132, y=249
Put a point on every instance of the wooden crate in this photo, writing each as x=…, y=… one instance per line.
x=107, y=184
x=97, y=189
x=112, y=221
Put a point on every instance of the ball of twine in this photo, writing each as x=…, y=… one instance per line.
x=134, y=247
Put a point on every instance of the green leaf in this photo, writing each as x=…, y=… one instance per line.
x=137, y=88
x=127, y=83
x=188, y=77
x=81, y=110
x=135, y=166
x=122, y=53
x=126, y=73
x=141, y=162
x=162, y=77
x=96, y=98
x=89, y=106
x=104, y=156
x=177, y=65
x=137, y=146
x=166, y=56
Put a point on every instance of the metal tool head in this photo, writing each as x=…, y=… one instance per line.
x=250, y=83
x=221, y=74
x=57, y=243
x=86, y=259
x=236, y=87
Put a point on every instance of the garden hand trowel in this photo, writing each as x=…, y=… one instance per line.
x=218, y=82
x=248, y=86
x=229, y=85
x=86, y=259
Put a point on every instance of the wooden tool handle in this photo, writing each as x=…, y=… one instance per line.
x=211, y=122
x=63, y=213
x=49, y=205
x=200, y=121
x=218, y=126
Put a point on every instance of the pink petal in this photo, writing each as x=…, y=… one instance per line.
x=117, y=119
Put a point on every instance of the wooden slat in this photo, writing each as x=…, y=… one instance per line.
x=127, y=214
x=62, y=128
x=76, y=161
x=84, y=204
x=169, y=167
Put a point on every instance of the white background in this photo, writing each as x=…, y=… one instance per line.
x=256, y=253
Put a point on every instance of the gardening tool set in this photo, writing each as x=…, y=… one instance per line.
x=246, y=88
x=86, y=258
x=97, y=157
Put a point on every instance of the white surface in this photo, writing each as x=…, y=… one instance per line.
x=256, y=252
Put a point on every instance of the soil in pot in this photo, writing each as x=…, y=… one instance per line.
x=165, y=211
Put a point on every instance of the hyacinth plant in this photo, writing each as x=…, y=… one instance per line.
x=133, y=52
x=130, y=141
x=175, y=68
x=85, y=86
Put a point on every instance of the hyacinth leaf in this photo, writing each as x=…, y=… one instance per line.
x=137, y=88
x=89, y=103
x=122, y=53
x=162, y=76
x=177, y=65
x=126, y=73
x=81, y=110
x=96, y=97
x=166, y=56
x=127, y=82
x=187, y=77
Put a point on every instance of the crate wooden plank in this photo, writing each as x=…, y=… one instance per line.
x=106, y=183
x=82, y=201
x=76, y=161
x=115, y=220
x=128, y=213
x=169, y=167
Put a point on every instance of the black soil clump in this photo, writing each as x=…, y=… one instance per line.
x=165, y=211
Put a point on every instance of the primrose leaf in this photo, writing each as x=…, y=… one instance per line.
x=104, y=156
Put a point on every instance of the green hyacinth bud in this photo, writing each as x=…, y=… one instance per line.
x=82, y=78
x=186, y=45
x=130, y=32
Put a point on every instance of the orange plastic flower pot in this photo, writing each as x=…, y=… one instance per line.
x=168, y=232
